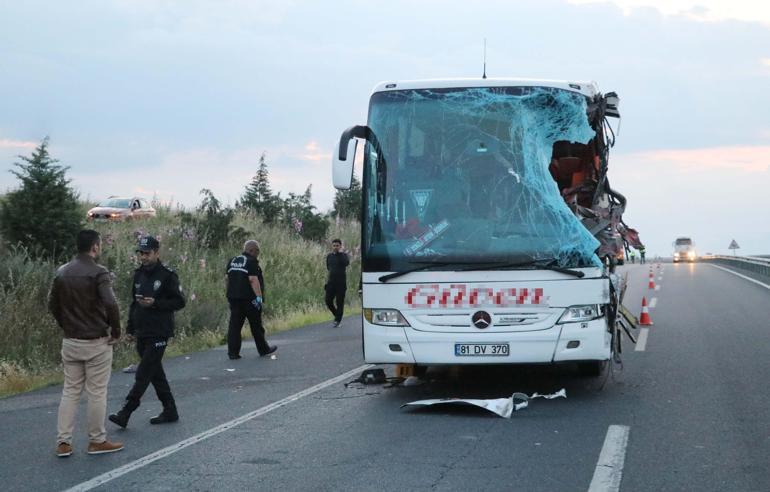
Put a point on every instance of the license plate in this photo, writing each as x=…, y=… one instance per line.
x=482, y=349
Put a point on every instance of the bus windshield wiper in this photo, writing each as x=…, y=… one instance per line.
x=427, y=264
x=544, y=264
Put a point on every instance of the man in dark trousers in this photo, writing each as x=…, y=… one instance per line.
x=156, y=295
x=245, y=295
x=85, y=308
x=336, y=285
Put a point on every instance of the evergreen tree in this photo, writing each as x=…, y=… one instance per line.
x=298, y=213
x=258, y=196
x=347, y=203
x=43, y=215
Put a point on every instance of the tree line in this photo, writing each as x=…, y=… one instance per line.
x=44, y=213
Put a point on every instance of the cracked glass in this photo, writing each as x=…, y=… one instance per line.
x=461, y=175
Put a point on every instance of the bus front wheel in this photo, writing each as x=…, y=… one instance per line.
x=592, y=369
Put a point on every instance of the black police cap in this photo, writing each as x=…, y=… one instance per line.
x=148, y=243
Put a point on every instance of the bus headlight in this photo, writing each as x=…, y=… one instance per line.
x=385, y=317
x=575, y=314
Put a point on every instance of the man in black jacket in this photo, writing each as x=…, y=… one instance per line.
x=336, y=285
x=245, y=295
x=156, y=295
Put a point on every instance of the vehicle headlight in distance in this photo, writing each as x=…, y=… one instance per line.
x=574, y=314
x=385, y=317
x=114, y=215
x=691, y=254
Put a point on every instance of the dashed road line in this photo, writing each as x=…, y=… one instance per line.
x=653, y=302
x=657, y=287
x=609, y=469
x=742, y=276
x=641, y=341
x=162, y=453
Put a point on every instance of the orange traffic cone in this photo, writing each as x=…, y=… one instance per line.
x=644, y=319
x=651, y=285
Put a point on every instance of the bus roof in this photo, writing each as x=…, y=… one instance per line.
x=588, y=89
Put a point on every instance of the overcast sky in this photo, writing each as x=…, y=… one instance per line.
x=164, y=98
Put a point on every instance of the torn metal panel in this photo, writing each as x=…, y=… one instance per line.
x=503, y=407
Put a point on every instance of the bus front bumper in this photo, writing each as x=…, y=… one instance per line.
x=582, y=341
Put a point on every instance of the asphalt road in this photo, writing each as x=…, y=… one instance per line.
x=693, y=403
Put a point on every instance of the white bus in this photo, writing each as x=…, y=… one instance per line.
x=489, y=229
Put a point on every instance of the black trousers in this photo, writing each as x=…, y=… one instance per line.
x=241, y=310
x=150, y=370
x=335, y=300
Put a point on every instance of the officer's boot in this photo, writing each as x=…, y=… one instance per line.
x=169, y=413
x=121, y=418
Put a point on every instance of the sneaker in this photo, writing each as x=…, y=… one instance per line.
x=272, y=349
x=104, y=447
x=63, y=450
x=130, y=369
x=335, y=324
x=234, y=357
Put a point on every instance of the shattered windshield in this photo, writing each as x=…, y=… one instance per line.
x=461, y=175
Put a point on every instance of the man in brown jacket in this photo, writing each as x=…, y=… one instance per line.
x=85, y=308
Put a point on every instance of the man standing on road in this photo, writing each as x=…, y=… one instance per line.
x=642, y=252
x=336, y=284
x=85, y=308
x=245, y=295
x=156, y=295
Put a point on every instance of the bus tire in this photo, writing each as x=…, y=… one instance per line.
x=592, y=369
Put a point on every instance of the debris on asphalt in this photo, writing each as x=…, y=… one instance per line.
x=503, y=407
x=370, y=376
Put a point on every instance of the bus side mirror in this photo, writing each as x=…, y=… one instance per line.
x=342, y=161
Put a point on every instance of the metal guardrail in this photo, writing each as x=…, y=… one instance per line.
x=756, y=264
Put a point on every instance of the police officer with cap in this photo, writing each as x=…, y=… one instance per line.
x=245, y=294
x=156, y=295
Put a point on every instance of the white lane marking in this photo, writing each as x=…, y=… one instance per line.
x=742, y=276
x=162, y=453
x=641, y=342
x=609, y=469
x=660, y=278
x=653, y=302
x=657, y=287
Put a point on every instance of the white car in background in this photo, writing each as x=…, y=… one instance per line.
x=119, y=209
